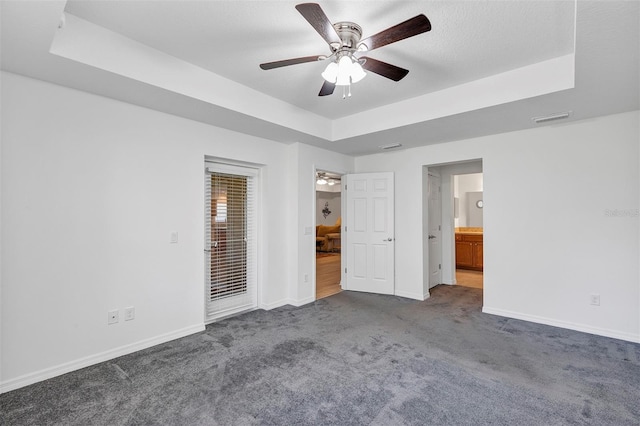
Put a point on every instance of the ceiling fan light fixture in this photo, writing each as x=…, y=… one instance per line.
x=357, y=73
x=321, y=181
x=345, y=42
x=343, y=80
x=344, y=72
x=331, y=72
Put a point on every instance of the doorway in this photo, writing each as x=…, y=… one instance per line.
x=462, y=235
x=328, y=233
x=231, y=239
x=469, y=229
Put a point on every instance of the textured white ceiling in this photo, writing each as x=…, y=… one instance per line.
x=468, y=41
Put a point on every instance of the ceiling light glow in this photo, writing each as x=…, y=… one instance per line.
x=344, y=72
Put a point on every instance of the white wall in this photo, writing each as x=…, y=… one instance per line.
x=333, y=201
x=91, y=189
x=560, y=220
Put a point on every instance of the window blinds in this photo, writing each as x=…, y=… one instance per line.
x=230, y=235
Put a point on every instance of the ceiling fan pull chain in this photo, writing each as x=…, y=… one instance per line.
x=346, y=93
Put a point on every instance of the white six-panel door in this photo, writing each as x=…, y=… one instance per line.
x=370, y=232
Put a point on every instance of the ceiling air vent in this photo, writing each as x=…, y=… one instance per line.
x=390, y=146
x=552, y=117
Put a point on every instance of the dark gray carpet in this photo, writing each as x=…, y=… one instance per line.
x=353, y=358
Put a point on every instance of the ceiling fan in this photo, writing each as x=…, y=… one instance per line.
x=344, y=38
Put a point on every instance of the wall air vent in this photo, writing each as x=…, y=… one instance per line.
x=552, y=117
x=390, y=146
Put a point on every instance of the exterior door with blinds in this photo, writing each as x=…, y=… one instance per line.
x=230, y=251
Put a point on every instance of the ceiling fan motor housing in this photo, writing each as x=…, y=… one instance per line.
x=350, y=34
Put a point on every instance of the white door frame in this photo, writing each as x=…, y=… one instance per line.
x=251, y=300
x=317, y=169
x=448, y=170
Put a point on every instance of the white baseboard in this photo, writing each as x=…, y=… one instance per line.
x=67, y=367
x=302, y=302
x=228, y=314
x=273, y=305
x=283, y=302
x=563, y=324
x=415, y=296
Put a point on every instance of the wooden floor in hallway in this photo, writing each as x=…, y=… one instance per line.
x=327, y=274
x=467, y=278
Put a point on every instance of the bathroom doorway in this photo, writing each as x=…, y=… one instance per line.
x=462, y=238
x=469, y=229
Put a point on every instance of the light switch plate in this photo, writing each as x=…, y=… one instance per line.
x=129, y=313
x=174, y=237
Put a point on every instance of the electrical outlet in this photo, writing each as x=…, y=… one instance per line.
x=173, y=238
x=113, y=317
x=306, y=278
x=129, y=313
x=595, y=299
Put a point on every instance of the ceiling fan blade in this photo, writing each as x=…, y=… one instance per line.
x=327, y=88
x=313, y=13
x=384, y=69
x=409, y=28
x=287, y=62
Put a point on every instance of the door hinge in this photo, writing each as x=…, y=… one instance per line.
x=345, y=270
x=439, y=227
x=439, y=265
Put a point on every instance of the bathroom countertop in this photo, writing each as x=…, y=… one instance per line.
x=469, y=230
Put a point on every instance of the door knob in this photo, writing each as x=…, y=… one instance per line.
x=431, y=237
x=388, y=239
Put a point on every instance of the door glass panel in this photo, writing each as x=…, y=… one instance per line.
x=228, y=237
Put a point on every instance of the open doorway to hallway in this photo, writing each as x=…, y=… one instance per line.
x=328, y=233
